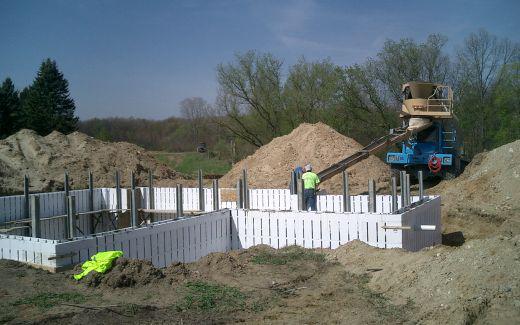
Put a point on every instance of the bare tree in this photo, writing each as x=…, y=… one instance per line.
x=251, y=96
x=196, y=111
x=481, y=68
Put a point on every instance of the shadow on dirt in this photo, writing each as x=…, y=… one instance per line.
x=453, y=239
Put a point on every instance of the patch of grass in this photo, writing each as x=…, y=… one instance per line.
x=287, y=255
x=189, y=163
x=193, y=161
x=206, y=296
x=49, y=299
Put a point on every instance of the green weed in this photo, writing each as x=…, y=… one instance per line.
x=206, y=296
x=49, y=299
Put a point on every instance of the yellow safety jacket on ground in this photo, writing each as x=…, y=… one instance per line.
x=101, y=262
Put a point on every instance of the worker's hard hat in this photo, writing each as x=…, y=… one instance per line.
x=308, y=167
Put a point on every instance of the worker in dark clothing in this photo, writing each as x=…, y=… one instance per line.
x=310, y=182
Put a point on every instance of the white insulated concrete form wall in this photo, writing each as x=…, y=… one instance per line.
x=188, y=239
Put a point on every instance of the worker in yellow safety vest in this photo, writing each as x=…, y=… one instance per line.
x=310, y=183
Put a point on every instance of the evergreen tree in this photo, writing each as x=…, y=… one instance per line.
x=47, y=104
x=9, y=108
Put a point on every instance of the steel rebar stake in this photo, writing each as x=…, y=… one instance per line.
x=346, y=195
x=371, y=196
x=394, y=195
x=202, y=205
x=215, y=195
x=35, y=217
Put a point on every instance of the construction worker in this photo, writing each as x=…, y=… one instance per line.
x=310, y=181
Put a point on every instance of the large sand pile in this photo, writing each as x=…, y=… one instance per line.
x=44, y=160
x=486, y=196
x=319, y=144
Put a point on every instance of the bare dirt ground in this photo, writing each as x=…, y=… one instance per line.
x=45, y=159
x=259, y=285
x=318, y=144
x=474, y=278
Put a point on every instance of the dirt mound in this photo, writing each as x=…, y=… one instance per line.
x=478, y=280
x=44, y=160
x=319, y=144
x=125, y=273
x=486, y=196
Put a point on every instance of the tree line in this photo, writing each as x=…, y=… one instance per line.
x=259, y=98
x=363, y=100
x=44, y=106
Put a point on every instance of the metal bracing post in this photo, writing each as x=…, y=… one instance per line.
x=150, y=190
x=215, y=195
x=71, y=216
x=408, y=199
x=35, y=217
x=178, y=202
x=245, y=189
x=346, y=193
x=133, y=201
x=371, y=196
x=91, y=200
x=394, y=195
x=118, y=191
x=26, y=208
x=66, y=184
x=66, y=189
x=402, y=180
x=301, y=201
x=240, y=193
x=90, y=191
x=421, y=185
x=292, y=184
x=202, y=204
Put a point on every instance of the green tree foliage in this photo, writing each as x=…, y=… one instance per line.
x=9, y=108
x=46, y=104
x=311, y=91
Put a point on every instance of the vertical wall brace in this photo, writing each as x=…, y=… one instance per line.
x=35, y=217
x=202, y=204
x=346, y=193
x=421, y=185
x=180, y=211
x=71, y=216
x=215, y=195
x=371, y=196
x=394, y=195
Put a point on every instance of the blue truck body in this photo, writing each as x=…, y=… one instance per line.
x=439, y=140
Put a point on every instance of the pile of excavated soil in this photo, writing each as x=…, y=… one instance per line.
x=125, y=273
x=45, y=159
x=318, y=144
x=486, y=197
x=477, y=282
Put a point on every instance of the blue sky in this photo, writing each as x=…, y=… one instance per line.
x=141, y=58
